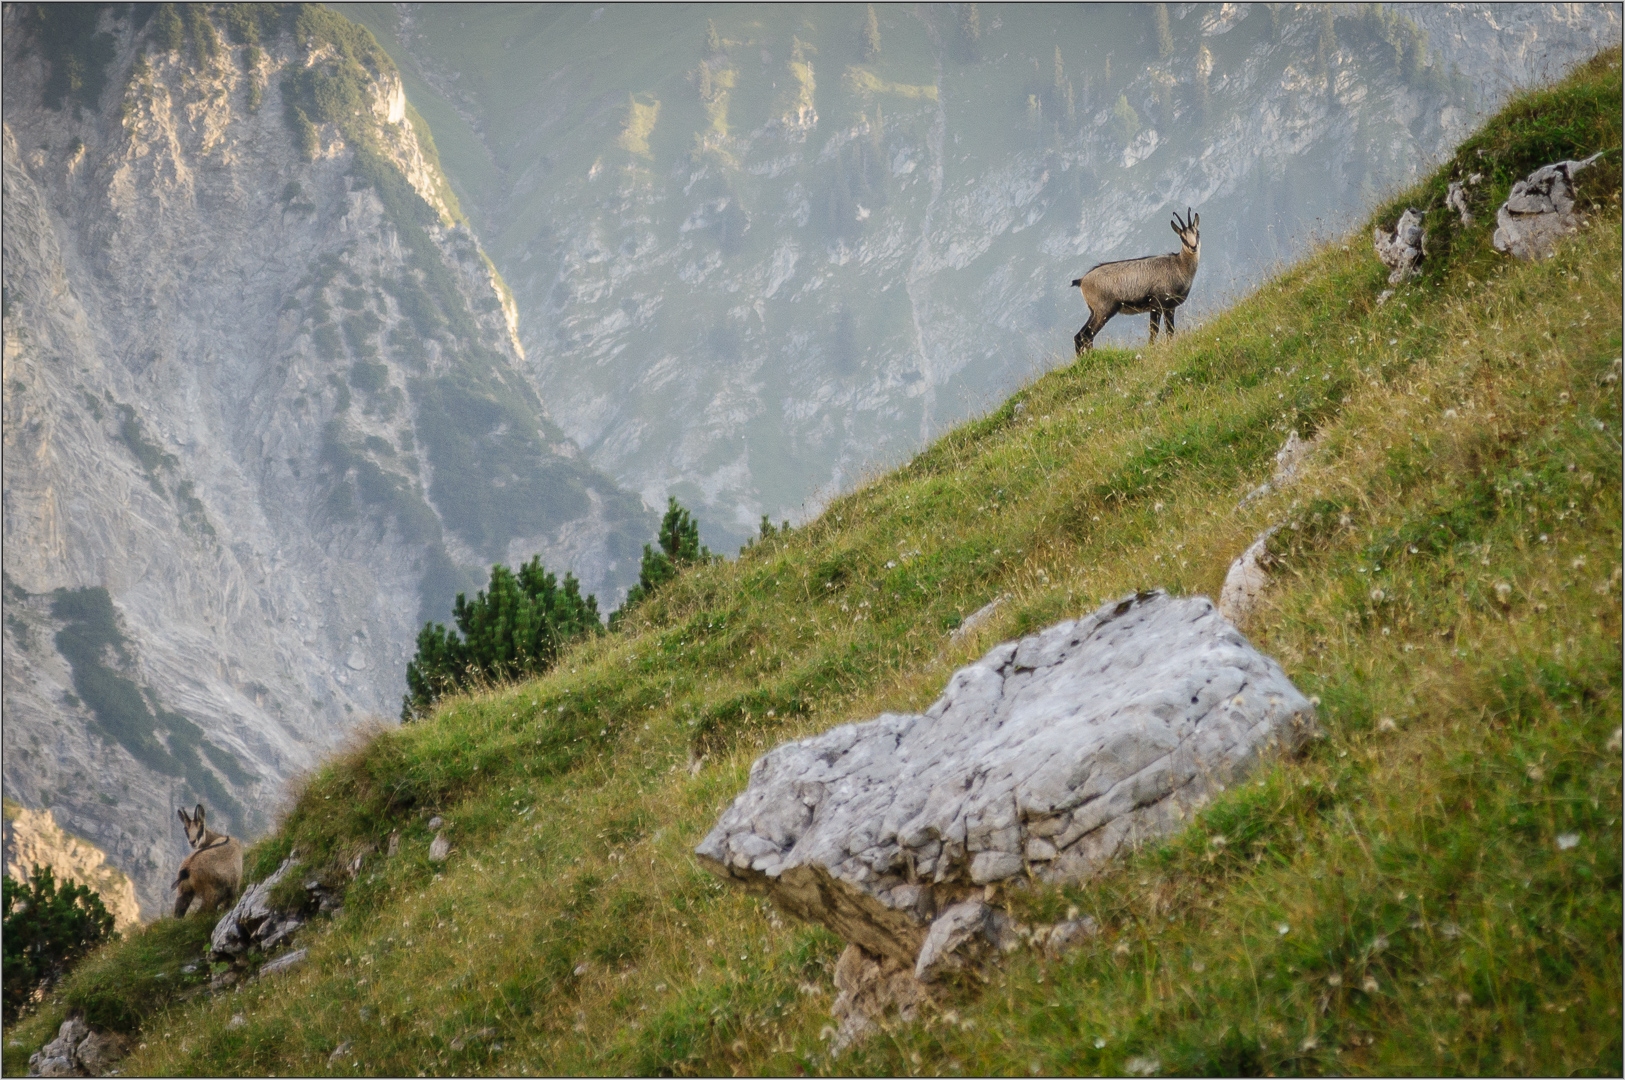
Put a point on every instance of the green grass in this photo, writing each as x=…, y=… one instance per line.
x=1447, y=584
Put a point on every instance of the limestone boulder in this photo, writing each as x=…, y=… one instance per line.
x=254, y=921
x=78, y=1050
x=1039, y=761
x=1539, y=211
x=1401, y=251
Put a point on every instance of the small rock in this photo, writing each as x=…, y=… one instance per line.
x=394, y=847
x=439, y=848
x=1456, y=198
x=436, y=822
x=237, y=1020
x=56, y=1058
x=284, y=963
x=223, y=981
x=977, y=619
x=1403, y=249
x=1287, y=459
x=867, y=989
x=339, y=1051
x=949, y=932
x=1247, y=579
x=1539, y=211
x=100, y=1050
x=1064, y=935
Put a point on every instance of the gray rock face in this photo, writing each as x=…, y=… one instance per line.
x=691, y=317
x=78, y=1050
x=1401, y=251
x=216, y=410
x=1042, y=759
x=284, y=963
x=1539, y=211
x=1456, y=197
x=254, y=921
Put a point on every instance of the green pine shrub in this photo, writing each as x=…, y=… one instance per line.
x=46, y=929
x=679, y=547
x=513, y=628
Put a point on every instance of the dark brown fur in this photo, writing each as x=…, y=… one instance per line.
x=1155, y=283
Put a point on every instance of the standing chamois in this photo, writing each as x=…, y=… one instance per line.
x=214, y=869
x=1154, y=283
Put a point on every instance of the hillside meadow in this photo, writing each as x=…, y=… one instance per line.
x=1433, y=887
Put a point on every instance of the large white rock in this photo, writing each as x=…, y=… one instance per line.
x=1040, y=760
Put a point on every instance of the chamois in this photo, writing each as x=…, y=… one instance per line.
x=1154, y=283
x=212, y=871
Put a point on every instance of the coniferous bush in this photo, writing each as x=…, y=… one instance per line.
x=514, y=627
x=679, y=546
x=46, y=929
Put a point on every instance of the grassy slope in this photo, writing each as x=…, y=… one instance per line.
x=1468, y=439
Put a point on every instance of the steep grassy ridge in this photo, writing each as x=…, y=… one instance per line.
x=1435, y=886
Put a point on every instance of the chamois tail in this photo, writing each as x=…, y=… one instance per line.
x=1076, y=282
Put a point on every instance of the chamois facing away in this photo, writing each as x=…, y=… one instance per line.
x=1154, y=283
x=214, y=869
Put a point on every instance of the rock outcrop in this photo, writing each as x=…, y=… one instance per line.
x=78, y=1050
x=1456, y=197
x=1401, y=251
x=1041, y=761
x=1539, y=211
x=254, y=921
x=33, y=838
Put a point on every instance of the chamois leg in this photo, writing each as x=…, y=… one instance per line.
x=1155, y=317
x=1085, y=339
x=1168, y=321
x=182, y=902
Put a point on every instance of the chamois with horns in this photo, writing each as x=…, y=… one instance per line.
x=1153, y=283
x=214, y=869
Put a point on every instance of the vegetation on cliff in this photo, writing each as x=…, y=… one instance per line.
x=1433, y=887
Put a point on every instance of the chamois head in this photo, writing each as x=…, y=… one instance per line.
x=1190, y=236
x=193, y=825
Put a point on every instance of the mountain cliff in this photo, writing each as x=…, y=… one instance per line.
x=757, y=252
x=262, y=413
x=33, y=838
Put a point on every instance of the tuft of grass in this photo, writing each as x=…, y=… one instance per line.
x=1434, y=886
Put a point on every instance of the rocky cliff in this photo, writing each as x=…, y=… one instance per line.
x=261, y=413
x=757, y=252
x=33, y=838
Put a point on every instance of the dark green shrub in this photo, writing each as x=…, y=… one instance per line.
x=516, y=627
x=167, y=32
x=679, y=546
x=78, y=56
x=46, y=929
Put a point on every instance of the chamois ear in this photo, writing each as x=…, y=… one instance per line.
x=197, y=815
x=1174, y=225
x=1196, y=222
x=184, y=819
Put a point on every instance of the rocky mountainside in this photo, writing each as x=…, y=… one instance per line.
x=756, y=252
x=262, y=414
x=33, y=838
